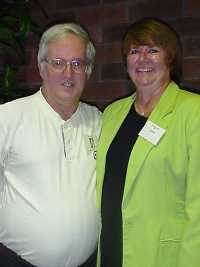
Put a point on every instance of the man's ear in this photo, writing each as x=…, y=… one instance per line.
x=41, y=68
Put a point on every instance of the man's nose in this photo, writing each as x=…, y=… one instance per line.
x=68, y=68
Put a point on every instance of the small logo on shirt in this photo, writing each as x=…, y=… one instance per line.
x=91, y=145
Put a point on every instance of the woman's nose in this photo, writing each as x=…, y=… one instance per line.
x=143, y=55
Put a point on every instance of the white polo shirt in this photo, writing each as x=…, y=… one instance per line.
x=47, y=182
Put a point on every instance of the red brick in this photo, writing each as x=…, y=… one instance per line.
x=42, y=21
x=61, y=4
x=65, y=15
x=191, y=68
x=58, y=16
x=29, y=75
x=192, y=8
x=186, y=26
x=109, y=53
x=156, y=8
x=31, y=57
x=102, y=14
x=191, y=46
x=95, y=73
x=41, y=7
x=95, y=32
x=32, y=41
x=114, y=33
x=105, y=91
x=113, y=1
x=192, y=85
x=102, y=94
x=114, y=71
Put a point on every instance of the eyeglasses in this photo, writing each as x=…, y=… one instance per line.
x=59, y=64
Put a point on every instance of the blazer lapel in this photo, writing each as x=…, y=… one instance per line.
x=113, y=126
x=161, y=117
x=110, y=127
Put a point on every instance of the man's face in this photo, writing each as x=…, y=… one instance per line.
x=66, y=85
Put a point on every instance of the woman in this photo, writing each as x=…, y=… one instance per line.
x=148, y=159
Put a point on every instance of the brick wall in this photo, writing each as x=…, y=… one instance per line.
x=107, y=20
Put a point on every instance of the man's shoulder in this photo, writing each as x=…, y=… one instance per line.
x=89, y=110
x=90, y=116
x=14, y=110
x=17, y=103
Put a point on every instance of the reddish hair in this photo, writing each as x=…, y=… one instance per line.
x=152, y=31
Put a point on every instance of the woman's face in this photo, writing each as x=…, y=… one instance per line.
x=147, y=66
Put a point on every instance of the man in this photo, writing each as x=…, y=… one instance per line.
x=47, y=160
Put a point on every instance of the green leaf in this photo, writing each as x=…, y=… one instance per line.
x=16, y=23
x=25, y=26
x=8, y=78
x=9, y=43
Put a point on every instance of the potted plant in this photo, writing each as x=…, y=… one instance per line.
x=15, y=25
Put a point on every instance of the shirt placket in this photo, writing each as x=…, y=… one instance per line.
x=67, y=131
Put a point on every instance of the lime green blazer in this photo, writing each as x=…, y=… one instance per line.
x=161, y=202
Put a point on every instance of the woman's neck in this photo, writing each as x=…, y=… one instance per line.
x=147, y=99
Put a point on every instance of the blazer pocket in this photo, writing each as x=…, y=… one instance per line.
x=167, y=254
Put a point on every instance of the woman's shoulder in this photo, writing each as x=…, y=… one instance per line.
x=188, y=97
x=119, y=104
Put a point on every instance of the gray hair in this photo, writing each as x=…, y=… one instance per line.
x=61, y=30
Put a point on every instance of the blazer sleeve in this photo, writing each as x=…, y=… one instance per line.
x=189, y=254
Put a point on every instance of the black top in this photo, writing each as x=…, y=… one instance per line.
x=112, y=193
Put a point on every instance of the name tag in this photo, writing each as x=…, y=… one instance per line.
x=152, y=132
